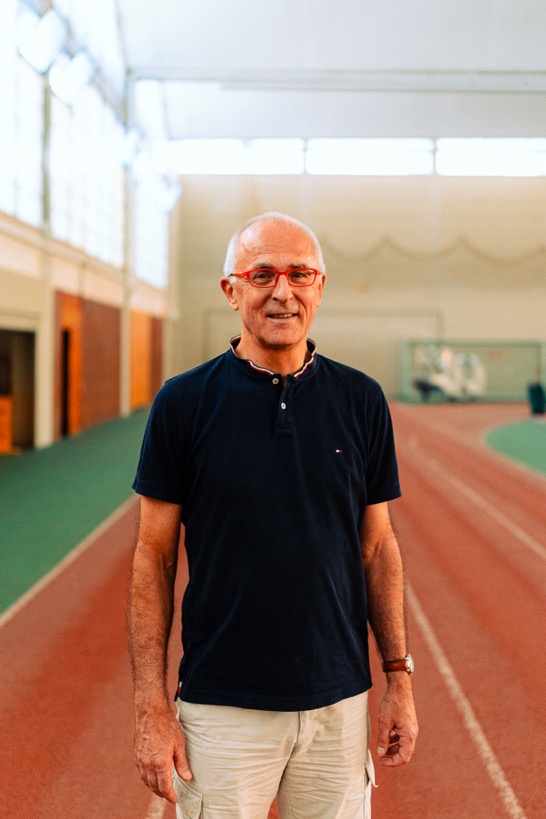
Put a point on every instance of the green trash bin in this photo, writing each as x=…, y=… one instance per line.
x=537, y=399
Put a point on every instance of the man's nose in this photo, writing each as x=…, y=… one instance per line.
x=282, y=289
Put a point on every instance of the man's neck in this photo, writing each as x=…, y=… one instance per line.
x=285, y=362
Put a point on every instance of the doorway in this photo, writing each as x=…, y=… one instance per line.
x=65, y=383
x=17, y=355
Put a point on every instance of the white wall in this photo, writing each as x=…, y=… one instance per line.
x=413, y=257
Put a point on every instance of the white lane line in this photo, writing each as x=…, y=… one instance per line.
x=515, y=530
x=156, y=808
x=41, y=584
x=496, y=773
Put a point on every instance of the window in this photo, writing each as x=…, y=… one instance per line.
x=151, y=224
x=87, y=177
x=370, y=157
x=231, y=156
x=29, y=130
x=491, y=157
x=354, y=157
x=95, y=26
x=21, y=132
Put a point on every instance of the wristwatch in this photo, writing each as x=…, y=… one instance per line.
x=405, y=664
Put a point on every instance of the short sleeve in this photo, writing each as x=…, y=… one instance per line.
x=160, y=472
x=382, y=480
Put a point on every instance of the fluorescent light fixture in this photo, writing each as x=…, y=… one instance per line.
x=43, y=44
x=69, y=80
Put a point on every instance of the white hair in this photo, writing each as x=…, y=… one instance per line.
x=270, y=216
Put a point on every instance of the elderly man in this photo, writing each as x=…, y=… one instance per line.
x=279, y=463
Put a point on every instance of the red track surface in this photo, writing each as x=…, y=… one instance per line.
x=472, y=527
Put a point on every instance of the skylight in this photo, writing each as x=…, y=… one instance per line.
x=354, y=157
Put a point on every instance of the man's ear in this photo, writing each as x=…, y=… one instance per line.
x=321, y=286
x=229, y=292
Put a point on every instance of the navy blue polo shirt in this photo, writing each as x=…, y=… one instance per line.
x=273, y=480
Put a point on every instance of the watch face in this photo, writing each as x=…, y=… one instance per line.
x=410, y=665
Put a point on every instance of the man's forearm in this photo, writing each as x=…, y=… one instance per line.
x=385, y=589
x=150, y=618
x=159, y=743
x=397, y=723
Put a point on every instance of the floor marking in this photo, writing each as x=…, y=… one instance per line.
x=484, y=504
x=156, y=808
x=478, y=442
x=511, y=460
x=481, y=444
x=496, y=774
x=451, y=432
x=34, y=590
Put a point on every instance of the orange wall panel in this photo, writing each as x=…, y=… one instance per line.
x=141, y=359
x=157, y=356
x=101, y=362
x=6, y=423
x=92, y=366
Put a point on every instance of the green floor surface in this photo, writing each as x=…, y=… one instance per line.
x=51, y=499
x=524, y=442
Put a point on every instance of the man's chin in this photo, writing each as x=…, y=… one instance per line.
x=277, y=342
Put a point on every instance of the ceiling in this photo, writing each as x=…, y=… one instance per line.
x=324, y=68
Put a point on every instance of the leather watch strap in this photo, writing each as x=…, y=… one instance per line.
x=403, y=664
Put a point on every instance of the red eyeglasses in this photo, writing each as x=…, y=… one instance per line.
x=265, y=277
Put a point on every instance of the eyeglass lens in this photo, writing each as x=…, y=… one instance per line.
x=296, y=278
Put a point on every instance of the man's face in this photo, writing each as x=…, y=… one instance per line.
x=276, y=318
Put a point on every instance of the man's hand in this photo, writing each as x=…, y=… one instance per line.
x=398, y=727
x=159, y=743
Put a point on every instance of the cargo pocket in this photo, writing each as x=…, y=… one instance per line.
x=189, y=802
x=370, y=783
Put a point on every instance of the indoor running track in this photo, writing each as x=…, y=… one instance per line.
x=472, y=526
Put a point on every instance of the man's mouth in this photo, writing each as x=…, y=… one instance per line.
x=281, y=315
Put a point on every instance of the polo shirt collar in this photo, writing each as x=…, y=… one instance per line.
x=308, y=368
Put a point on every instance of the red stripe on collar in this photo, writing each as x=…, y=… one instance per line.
x=311, y=346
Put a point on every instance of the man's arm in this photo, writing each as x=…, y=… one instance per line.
x=385, y=587
x=158, y=739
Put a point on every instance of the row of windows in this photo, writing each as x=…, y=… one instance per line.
x=368, y=157
x=21, y=139
x=63, y=146
x=87, y=177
